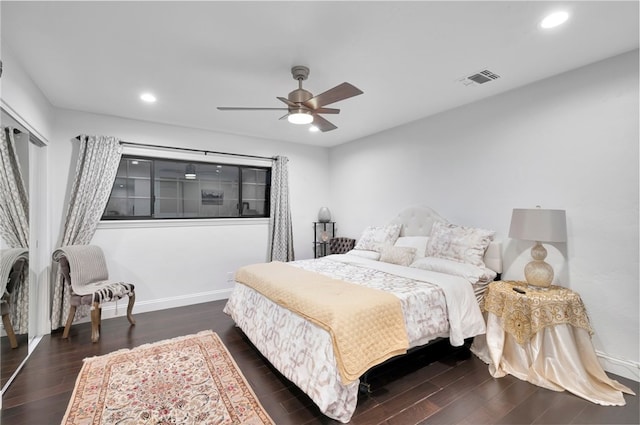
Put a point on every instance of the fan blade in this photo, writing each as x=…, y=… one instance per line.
x=284, y=116
x=327, y=111
x=322, y=124
x=234, y=108
x=295, y=105
x=288, y=102
x=339, y=92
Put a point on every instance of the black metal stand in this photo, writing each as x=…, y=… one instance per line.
x=323, y=231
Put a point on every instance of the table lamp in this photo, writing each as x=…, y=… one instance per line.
x=539, y=225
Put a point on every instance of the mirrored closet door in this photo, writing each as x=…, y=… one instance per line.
x=18, y=283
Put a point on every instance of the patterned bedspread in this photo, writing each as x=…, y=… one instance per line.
x=366, y=325
x=423, y=303
x=303, y=352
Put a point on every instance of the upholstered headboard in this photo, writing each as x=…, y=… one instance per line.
x=418, y=221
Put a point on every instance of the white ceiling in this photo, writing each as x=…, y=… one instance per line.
x=407, y=57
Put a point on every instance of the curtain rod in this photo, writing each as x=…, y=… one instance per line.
x=122, y=142
x=15, y=130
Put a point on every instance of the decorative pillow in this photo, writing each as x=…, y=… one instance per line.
x=401, y=255
x=459, y=243
x=371, y=255
x=417, y=242
x=375, y=238
x=473, y=274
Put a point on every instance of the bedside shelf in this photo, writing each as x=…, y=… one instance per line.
x=323, y=232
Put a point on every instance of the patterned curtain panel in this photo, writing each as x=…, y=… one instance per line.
x=14, y=204
x=14, y=223
x=95, y=173
x=280, y=227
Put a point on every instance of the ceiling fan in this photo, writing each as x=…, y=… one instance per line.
x=303, y=107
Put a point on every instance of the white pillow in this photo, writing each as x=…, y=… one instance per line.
x=473, y=274
x=371, y=255
x=400, y=255
x=459, y=243
x=417, y=242
x=375, y=238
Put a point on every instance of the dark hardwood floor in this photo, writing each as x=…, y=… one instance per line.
x=437, y=385
x=10, y=358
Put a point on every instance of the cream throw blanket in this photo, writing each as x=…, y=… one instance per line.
x=366, y=325
x=8, y=257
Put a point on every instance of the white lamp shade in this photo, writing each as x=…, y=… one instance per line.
x=537, y=224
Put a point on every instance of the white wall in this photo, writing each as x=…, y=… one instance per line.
x=188, y=263
x=23, y=99
x=568, y=142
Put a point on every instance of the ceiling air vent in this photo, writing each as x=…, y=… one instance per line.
x=480, y=77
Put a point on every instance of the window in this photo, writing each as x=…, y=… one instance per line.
x=151, y=188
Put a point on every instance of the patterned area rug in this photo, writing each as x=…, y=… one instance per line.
x=187, y=380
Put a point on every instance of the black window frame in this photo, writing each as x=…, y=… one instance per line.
x=152, y=198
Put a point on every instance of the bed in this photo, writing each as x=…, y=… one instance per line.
x=430, y=271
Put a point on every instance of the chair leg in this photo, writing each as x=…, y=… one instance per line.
x=8, y=328
x=67, y=326
x=132, y=300
x=95, y=322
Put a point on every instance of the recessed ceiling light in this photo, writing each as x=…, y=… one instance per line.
x=148, y=97
x=554, y=19
x=313, y=129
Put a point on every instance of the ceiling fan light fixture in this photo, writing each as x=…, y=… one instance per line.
x=305, y=108
x=300, y=117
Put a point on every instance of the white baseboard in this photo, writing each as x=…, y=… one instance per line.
x=621, y=367
x=120, y=308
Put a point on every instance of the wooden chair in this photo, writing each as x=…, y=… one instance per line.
x=12, y=272
x=84, y=271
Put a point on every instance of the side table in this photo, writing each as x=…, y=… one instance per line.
x=543, y=336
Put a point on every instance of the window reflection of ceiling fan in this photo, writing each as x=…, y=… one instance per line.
x=303, y=107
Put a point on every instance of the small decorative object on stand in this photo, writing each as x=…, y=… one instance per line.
x=324, y=215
